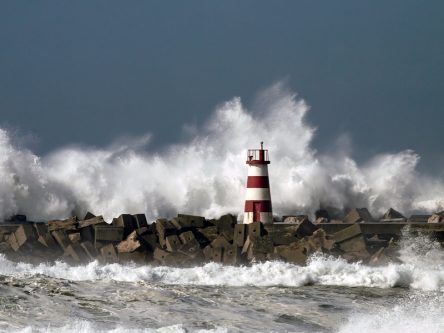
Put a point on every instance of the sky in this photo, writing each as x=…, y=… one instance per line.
x=90, y=72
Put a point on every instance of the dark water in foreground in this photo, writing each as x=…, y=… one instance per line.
x=328, y=295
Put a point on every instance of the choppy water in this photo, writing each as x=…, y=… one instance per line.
x=328, y=295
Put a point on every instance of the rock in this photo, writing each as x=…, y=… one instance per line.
x=130, y=244
x=109, y=253
x=436, y=218
x=351, y=240
x=393, y=215
x=172, y=243
x=240, y=234
x=188, y=221
x=358, y=215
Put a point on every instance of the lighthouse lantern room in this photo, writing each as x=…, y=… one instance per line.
x=258, y=197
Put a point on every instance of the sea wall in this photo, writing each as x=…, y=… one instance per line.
x=188, y=240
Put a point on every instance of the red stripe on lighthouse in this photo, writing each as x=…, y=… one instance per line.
x=264, y=206
x=258, y=182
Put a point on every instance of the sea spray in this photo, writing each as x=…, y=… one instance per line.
x=413, y=272
x=205, y=174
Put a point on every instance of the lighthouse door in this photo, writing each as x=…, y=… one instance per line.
x=256, y=211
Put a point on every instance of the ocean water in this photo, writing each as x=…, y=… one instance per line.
x=326, y=295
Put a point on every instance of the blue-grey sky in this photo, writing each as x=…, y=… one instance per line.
x=89, y=72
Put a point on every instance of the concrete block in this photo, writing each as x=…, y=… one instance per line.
x=294, y=218
x=358, y=215
x=188, y=221
x=295, y=253
x=240, y=234
x=231, y=255
x=47, y=241
x=61, y=238
x=192, y=251
x=209, y=233
x=107, y=233
x=127, y=222
x=220, y=242
x=149, y=240
x=74, y=237
x=75, y=253
x=25, y=233
x=216, y=254
x=68, y=224
x=225, y=226
x=164, y=228
x=13, y=242
x=160, y=255
x=89, y=249
x=355, y=244
x=135, y=257
x=347, y=233
x=130, y=244
x=40, y=229
x=172, y=243
x=256, y=229
x=436, y=218
x=91, y=221
x=109, y=253
x=419, y=218
x=88, y=216
x=188, y=237
x=140, y=221
x=392, y=214
x=87, y=234
x=208, y=252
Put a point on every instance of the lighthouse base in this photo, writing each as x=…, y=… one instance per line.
x=264, y=217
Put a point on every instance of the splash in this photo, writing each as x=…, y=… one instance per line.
x=206, y=173
x=422, y=268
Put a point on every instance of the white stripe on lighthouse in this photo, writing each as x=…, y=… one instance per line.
x=258, y=194
x=258, y=170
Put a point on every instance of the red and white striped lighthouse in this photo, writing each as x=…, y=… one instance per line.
x=258, y=199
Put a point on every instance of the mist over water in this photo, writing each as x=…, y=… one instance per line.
x=206, y=173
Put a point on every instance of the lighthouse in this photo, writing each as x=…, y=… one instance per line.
x=258, y=198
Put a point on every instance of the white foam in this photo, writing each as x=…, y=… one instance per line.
x=422, y=268
x=83, y=326
x=419, y=313
x=205, y=174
